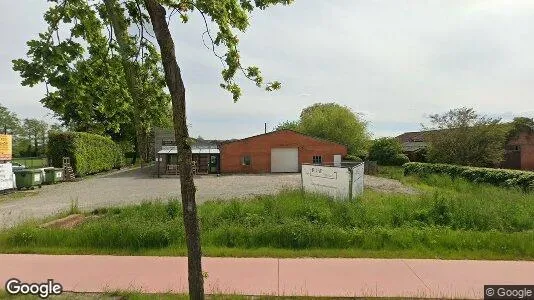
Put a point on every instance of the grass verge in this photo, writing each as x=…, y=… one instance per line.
x=451, y=219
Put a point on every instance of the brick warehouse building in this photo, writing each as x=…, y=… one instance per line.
x=281, y=151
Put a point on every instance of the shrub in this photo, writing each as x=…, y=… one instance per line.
x=89, y=153
x=498, y=177
x=400, y=159
x=387, y=152
x=352, y=158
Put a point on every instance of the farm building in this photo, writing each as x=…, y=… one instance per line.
x=275, y=152
x=519, y=150
x=281, y=151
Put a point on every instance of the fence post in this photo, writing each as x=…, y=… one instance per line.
x=351, y=172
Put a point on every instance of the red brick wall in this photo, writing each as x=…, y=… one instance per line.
x=259, y=149
x=527, y=157
x=525, y=141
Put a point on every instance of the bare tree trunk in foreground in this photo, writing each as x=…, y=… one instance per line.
x=176, y=87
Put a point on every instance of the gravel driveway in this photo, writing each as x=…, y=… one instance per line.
x=136, y=186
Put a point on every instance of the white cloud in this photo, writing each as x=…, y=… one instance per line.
x=394, y=61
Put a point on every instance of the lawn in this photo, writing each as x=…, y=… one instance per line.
x=451, y=219
x=32, y=163
x=392, y=172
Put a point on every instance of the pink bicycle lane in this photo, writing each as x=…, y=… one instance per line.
x=330, y=277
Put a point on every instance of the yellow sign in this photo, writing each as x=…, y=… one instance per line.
x=5, y=147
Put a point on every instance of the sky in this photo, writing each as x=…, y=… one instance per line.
x=392, y=62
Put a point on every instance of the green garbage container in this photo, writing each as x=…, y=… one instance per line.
x=28, y=178
x=53, y=175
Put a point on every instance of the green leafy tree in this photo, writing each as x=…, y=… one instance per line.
x=35, y=132
x=520, y=124
x=463, y=137
x=227, y=16
x=9, y=121
x=333, y=122
x=387, y=152
x=86, y=77
x=291, y=125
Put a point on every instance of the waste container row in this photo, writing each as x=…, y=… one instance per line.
x=30, y=178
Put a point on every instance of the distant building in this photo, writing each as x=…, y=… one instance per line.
x=205, y=153
x=281, y=151
x=519, y=150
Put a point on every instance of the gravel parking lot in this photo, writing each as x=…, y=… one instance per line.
x=138, y=185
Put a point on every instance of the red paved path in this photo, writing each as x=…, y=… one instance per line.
x=271, y=276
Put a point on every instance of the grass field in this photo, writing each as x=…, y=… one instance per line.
x=449, y=219
x=32, y=163
x=392, y=172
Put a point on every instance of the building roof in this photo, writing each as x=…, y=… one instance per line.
x=414, y=136
x=278, y=131
x=194, y=150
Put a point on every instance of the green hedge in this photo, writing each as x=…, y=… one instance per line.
x=498, y=177
x=89, y=153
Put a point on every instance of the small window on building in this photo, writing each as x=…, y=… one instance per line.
x=317, y=159
x=246, y=160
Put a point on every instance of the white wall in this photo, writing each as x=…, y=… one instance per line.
x=357, y=179
x=6, y=177
x=333, y=181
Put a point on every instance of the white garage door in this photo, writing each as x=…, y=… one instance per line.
x=284, y=160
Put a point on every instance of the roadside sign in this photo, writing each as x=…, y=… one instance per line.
x=5, y=147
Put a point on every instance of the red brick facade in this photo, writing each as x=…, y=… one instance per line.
x=259, y=149
x=525, y=145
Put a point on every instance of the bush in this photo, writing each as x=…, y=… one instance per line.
x=352, y=158
x=88, y=153
x=400, y=159
x=387, y=152
x=498, y=177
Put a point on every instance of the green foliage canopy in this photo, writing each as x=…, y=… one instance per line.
x=229, y=16
x=461, y=136
x=387, y=152
x=89, y=153
x=85, y=80
x=9, y=121
x=333, y=122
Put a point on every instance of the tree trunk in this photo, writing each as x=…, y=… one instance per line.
x=127, y=52
x=176, y=87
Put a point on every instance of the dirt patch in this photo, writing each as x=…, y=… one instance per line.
x=68, y=222
x=380, y=184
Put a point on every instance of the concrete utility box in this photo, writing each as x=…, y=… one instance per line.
x=341, y=182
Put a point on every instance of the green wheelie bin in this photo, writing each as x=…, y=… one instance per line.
x=52, y=175
x=28, y=178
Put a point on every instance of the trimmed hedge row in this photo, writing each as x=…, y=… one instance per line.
x=89, y=153
x=498, y=177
